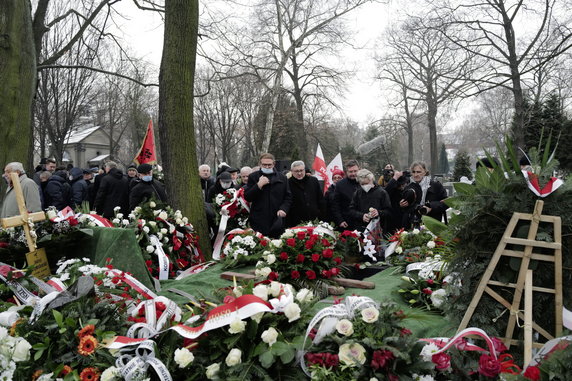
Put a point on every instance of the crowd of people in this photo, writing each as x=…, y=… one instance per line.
x=97, y=189
x=281, y=200
x=277, y=200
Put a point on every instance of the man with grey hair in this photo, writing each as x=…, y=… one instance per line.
x=244, y=173
x=369, y=201
x=206, y=180
x=307, y=200
x=30, y=190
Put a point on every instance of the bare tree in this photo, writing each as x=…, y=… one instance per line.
x=426, y=67
x=492, y=29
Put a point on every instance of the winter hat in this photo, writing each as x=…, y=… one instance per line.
x=232, y=170
x=338, y=172
x=225, y=176
x=144, y=168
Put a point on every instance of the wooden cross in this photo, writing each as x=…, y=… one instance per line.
x=24, y=217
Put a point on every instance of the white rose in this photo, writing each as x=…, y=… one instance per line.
x=212, y=371
x=51, y=214
x=269, y=336
x=163, y=231
x=150, y=249
x=370, y=314
x=152, y=204
x=163, y=215
x=183, y=357
x=292, y=312
x=237, y=326
x=110, y=374
x=270, y=258
x=146, y=229
x=287, y=234
x=276, y=243
x=415, y=231
x=398, y=250
x=431, y=244
x=21, y=350
x=261, y=291
x=152, y=224
x=179, y=221
x=185, y=220
x=438, y=297
x=275, y=288
x=345, y=327
x=263, y=272
x=304, y=295
x=234, y=357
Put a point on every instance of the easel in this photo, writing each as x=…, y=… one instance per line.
x=524, y=282
x=34, y=257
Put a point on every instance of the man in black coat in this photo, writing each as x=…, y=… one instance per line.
x=57, y=192
x=307, y=200
x=113, y=191
x=206, y=180
x=78, y=187
x=146, y=187
x=369, y=201
x=223, y=182
x=270, y=198
x=344, y=192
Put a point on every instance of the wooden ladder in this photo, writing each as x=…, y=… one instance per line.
x=526, y=255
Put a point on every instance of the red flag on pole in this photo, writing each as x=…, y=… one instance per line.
x=319, y=168
x=146, y=153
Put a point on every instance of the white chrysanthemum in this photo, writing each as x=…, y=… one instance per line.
x=415, y=231
x=116, y=221
x=438, y=297
x=110, y=374
x=431, y=244
x=428, y=351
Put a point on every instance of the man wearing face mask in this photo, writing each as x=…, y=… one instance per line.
x=146, y=187
x=307, y=200
x=269, y=194
x=223, y=182
x=345, y=189
x=30, y=190
x=369, y=201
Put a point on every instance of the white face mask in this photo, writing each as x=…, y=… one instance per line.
x=225, y=185
x=367, y=187
x=267, y=170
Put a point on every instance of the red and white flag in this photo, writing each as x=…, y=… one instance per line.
x=335, y=164
x=319, y=168
x=534, y=185
x=146, y=153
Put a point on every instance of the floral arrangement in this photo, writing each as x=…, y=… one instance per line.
x=235, y=206
x=244, y=247
x=427, y=293
x=302, y=256
x=368, y=344
x=164, y=234
x=413, y=246
x=350, y=244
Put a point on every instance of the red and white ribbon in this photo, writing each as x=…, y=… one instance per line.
x=445, y=343
x=195, y=269
x=163, y=259
x=224, y=216
x=533, y=184
x=97, y=220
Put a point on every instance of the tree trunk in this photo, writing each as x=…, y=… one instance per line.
x=176, y=129
x=18, y=78
x=432, y=124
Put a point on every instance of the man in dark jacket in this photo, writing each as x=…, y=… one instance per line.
x=206, y=180
x=307, y=201
x=344, y=192
x=78, y=187
x=146, y=187
x=113, y=191
x=369, y=201
x=58, y=191
x=223, y=182
x=270, y=198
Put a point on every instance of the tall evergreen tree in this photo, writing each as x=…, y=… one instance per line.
x=443, y=160
x=462, y=166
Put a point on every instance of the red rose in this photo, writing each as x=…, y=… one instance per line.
x=301, y=235
x=338, y=260
x=430, y=281
x=441, y=360
x=427, y=291
x=331, y=360
x=326, y=274
x=264, y=242
x=325, y=242
x=405, y=332
x=532, y=373
x=315, y=257
x=328, y=253
x=346, y=233
x=309, y=244
x=273, y=275
x=291, y=242
x=300, y=258
x=381, y=359
x=73, y=221
x=392, y=377
x=295, y=274
x=489, y=366
x=335, y=271
x=310, y=274
x=284, y=256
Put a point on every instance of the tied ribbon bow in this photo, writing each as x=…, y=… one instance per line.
x=534, y=185
x=134, y=362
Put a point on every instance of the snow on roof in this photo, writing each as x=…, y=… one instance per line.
x=78, y=135
x=98, y=158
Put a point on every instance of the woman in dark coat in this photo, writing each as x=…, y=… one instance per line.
x=369, y=201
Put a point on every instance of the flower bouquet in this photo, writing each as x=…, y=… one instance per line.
x=303, y=256
x=424, y=293
x=360, y=340
x=243, y=248
x=167, y=240
x=417, y=245
x=350, y=245
x=232, y=204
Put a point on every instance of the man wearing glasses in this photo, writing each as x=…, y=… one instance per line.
x=269, y=194
x=307, y=200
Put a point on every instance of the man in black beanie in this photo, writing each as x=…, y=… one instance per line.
x=146, y=187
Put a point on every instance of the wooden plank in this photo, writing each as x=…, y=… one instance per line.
x=528, y=317
x=513, y=285
x=354, y=283
x=231, y=275
x=532, y=242
x=558, y=298
x=336, y=290
x=535, y=256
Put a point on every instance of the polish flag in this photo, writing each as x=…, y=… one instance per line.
x=336, y=163
x=319, y=168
